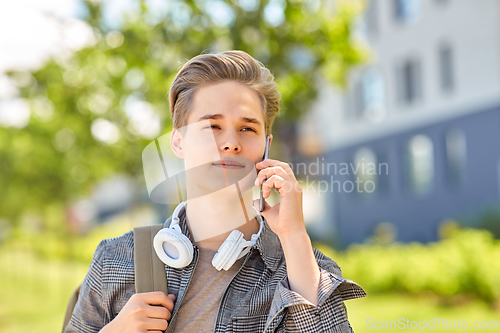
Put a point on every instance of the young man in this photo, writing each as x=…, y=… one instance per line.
x=225, y=104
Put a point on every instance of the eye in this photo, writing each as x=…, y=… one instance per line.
x=249, y=128
x=212, y=126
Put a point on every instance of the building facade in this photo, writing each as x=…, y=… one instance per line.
x=417, y=127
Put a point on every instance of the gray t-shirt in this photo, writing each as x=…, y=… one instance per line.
x=200, y=306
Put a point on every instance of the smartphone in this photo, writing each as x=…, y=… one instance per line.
x=266, y=156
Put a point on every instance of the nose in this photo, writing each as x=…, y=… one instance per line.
x=230, y=144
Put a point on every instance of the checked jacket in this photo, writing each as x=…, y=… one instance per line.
x=258, y=298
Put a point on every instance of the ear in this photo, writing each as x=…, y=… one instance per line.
x=270, y=140
x=176, y=143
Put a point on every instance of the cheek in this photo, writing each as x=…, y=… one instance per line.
x=255, y=147
x=257, y=155
x=200, y=151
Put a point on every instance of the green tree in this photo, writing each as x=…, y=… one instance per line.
x=83, y=127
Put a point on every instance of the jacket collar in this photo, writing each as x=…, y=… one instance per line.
x=268, y=243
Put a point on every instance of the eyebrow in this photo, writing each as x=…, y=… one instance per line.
x=220, y=116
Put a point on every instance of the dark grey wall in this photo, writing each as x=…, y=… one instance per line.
x=417, y=217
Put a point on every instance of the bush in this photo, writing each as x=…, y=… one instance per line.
x=466, y=263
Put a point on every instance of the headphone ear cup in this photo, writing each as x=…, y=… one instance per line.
x=173, y=248
x=228, y=251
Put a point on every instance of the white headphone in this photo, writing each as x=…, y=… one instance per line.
x=176, y=250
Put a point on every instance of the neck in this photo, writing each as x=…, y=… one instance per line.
x=212, y=217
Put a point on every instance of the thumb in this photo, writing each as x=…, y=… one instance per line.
x=256, y=203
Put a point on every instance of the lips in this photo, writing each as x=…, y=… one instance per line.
x=228, y=163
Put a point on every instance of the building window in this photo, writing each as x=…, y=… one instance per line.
x=366, y=171
x=407, y=11
x=367, y=24
x=409, y=78
x=420, y=153
x=456, y=156
x=371, y=17
x=368, y=96
x=446, y=68
x=373, y=95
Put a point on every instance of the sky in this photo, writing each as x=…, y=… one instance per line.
x=33, y=31
x=29, y=30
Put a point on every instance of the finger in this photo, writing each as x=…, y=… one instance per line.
x=268, y=172
x=270, y=162
x=172, y=297
x=156, y=324
x=159, y=312
x=283, y=186
x=272, y=169
x=158, y=298
x=274, y=181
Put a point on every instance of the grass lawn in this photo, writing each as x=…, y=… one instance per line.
x=364, y=312
x=35, y=292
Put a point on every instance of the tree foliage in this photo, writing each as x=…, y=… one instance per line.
x=95, y=111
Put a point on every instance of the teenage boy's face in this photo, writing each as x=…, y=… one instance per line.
x=226, y=122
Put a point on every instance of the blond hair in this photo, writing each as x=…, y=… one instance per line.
x=212, y=68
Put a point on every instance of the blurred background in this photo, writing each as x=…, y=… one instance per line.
x=389, y=118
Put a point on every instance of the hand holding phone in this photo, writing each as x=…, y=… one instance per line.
x=266, y=156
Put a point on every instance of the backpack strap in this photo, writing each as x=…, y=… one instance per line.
x=71, y=306
x=150, y=272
